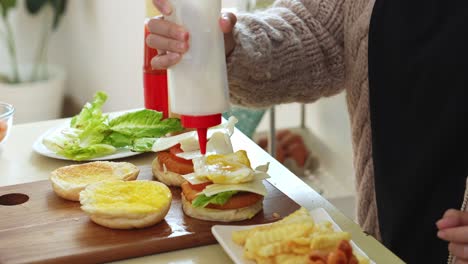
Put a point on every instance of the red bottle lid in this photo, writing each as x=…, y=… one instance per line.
x=201, y=123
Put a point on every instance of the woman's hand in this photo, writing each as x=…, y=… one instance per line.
x=171, y=40
x=453, y=227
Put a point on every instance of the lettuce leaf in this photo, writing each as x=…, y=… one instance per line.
x=78, y=153
x=144, y=124
x=118, y=140
x=90, y=112
x=143, y=144
x=219, y=199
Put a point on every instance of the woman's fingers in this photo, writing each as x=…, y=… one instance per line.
x=454, y=234
x=453, y=218
x=163, y=6
x=170, y=39
x=459, y=250
x=166, y=44
x=165, y=61
x=161, y=27
x=227, y=23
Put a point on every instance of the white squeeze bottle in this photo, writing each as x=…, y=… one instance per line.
x=198, y=87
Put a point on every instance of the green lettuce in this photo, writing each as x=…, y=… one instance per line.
x=77, y=152
x=144, y=124
x=219, y=199
x=93, y=134
x=143, y=144
x=90, y=112
x=118, y=140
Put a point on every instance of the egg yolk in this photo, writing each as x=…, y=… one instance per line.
x=229, y=162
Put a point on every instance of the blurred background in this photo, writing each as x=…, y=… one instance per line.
x=98, y=45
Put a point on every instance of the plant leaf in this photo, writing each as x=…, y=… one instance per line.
x=59, y=10
x=34, y=6
x=7, y=4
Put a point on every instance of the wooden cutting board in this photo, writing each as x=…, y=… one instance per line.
x=48, y=229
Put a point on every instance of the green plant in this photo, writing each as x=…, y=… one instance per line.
x=33, y=7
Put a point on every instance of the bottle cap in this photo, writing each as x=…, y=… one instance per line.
x=201, y=123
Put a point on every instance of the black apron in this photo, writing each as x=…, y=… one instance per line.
x=418, y=78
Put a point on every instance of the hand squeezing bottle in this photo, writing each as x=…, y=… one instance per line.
x=198, y=85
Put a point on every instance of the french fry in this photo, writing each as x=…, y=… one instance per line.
x=300, y=250
x=299, y=216
x=275, y=234
x=291, y=259
x=323, y=228
x=262, y=260
x=301, y=241
x=239, y=237
x=273, y=249
x=328, y=241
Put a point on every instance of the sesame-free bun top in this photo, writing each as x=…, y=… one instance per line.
x=69, y=181
x=126, y=204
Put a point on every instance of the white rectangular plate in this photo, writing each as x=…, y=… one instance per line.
x=223, y=233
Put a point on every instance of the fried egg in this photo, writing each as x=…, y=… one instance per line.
x=233, y=168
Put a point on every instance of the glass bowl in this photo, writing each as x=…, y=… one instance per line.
x=6, y=121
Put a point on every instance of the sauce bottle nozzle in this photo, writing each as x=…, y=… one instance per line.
x=201, y=123
x=202, y=131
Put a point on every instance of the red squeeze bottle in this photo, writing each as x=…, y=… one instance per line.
x=154, y=82
x=201, y=123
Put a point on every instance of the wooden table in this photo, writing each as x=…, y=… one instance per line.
x=19, y=164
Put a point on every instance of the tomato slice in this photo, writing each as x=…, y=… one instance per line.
x=173, y=165
x=199, y=187
x=176, y=150
x=239, y=200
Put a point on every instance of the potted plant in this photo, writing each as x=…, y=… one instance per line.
x=35, y=89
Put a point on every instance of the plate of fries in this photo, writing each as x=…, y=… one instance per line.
x=302, y=237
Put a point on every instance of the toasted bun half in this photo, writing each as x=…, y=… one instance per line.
x=230, y=215
x=126, y=205
x=68, y=182
x=162, y=174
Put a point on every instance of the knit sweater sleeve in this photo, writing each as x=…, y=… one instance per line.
x=292, y=52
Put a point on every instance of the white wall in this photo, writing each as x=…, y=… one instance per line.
x=104, y=50
x=100, y=44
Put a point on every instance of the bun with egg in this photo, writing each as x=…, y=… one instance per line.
x=175, y=153
x=68, y=182
x=168, y=168
x=224, y=188
x=126, y=205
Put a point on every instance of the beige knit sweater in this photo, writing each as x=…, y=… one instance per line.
x=300, y=51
